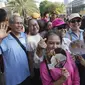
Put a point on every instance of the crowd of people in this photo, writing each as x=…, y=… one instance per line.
x=39, y=50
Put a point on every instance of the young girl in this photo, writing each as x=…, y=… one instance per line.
x=67, y=74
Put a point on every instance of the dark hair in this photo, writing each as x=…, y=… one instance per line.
x=53, y=14
x=27, y=29
x=29, y=21
x=42, y=25
x=3, y=15
x=47, y=25
x=44, y=14
x=83, y=23
x=53, y=32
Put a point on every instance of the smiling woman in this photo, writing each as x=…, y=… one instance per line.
x=63, y=70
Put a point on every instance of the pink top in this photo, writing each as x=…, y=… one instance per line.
x=45, y=19
x=73, y=79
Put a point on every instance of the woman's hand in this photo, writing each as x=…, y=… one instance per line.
x=41, y=45
x=65, y=74
x=63, y=78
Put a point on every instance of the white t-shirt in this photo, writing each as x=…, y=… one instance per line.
x=32, y=43
x=65, y=44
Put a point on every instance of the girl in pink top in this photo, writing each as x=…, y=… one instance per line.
x=65, y=75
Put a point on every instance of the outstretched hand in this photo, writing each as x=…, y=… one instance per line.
x=3, y=30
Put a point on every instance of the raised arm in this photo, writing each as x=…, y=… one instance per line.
x=3, y=30
x=41, y=45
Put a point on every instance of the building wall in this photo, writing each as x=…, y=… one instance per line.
x=78, y=3
x=76, y=6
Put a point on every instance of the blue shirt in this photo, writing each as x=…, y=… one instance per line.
x=15, y=60
x=72, y=36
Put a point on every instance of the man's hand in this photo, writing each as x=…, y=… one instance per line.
x=3, y=30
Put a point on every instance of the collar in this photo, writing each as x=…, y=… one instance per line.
x=80, y=30
x=10, y=37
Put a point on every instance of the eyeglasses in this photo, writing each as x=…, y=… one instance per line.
x=18, y=22
x=77, y=20
x=61, y=26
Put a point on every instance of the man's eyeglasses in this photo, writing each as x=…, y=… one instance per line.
x=77, y=20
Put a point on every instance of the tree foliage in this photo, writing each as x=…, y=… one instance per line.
x=23, y=6
x=51, y=7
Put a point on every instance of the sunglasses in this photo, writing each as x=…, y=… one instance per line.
x=61, y=26
x=77, y=20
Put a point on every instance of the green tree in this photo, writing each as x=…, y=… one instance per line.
x=23, y=6
x=60, y=7
x=44, y=6
x=51, y=7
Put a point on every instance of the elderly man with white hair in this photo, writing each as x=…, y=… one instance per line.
x=14, y=53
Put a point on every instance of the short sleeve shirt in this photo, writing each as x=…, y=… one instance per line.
x=15, y=60
x=72, y=36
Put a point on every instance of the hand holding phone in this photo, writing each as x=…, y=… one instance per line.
x=65, y=72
